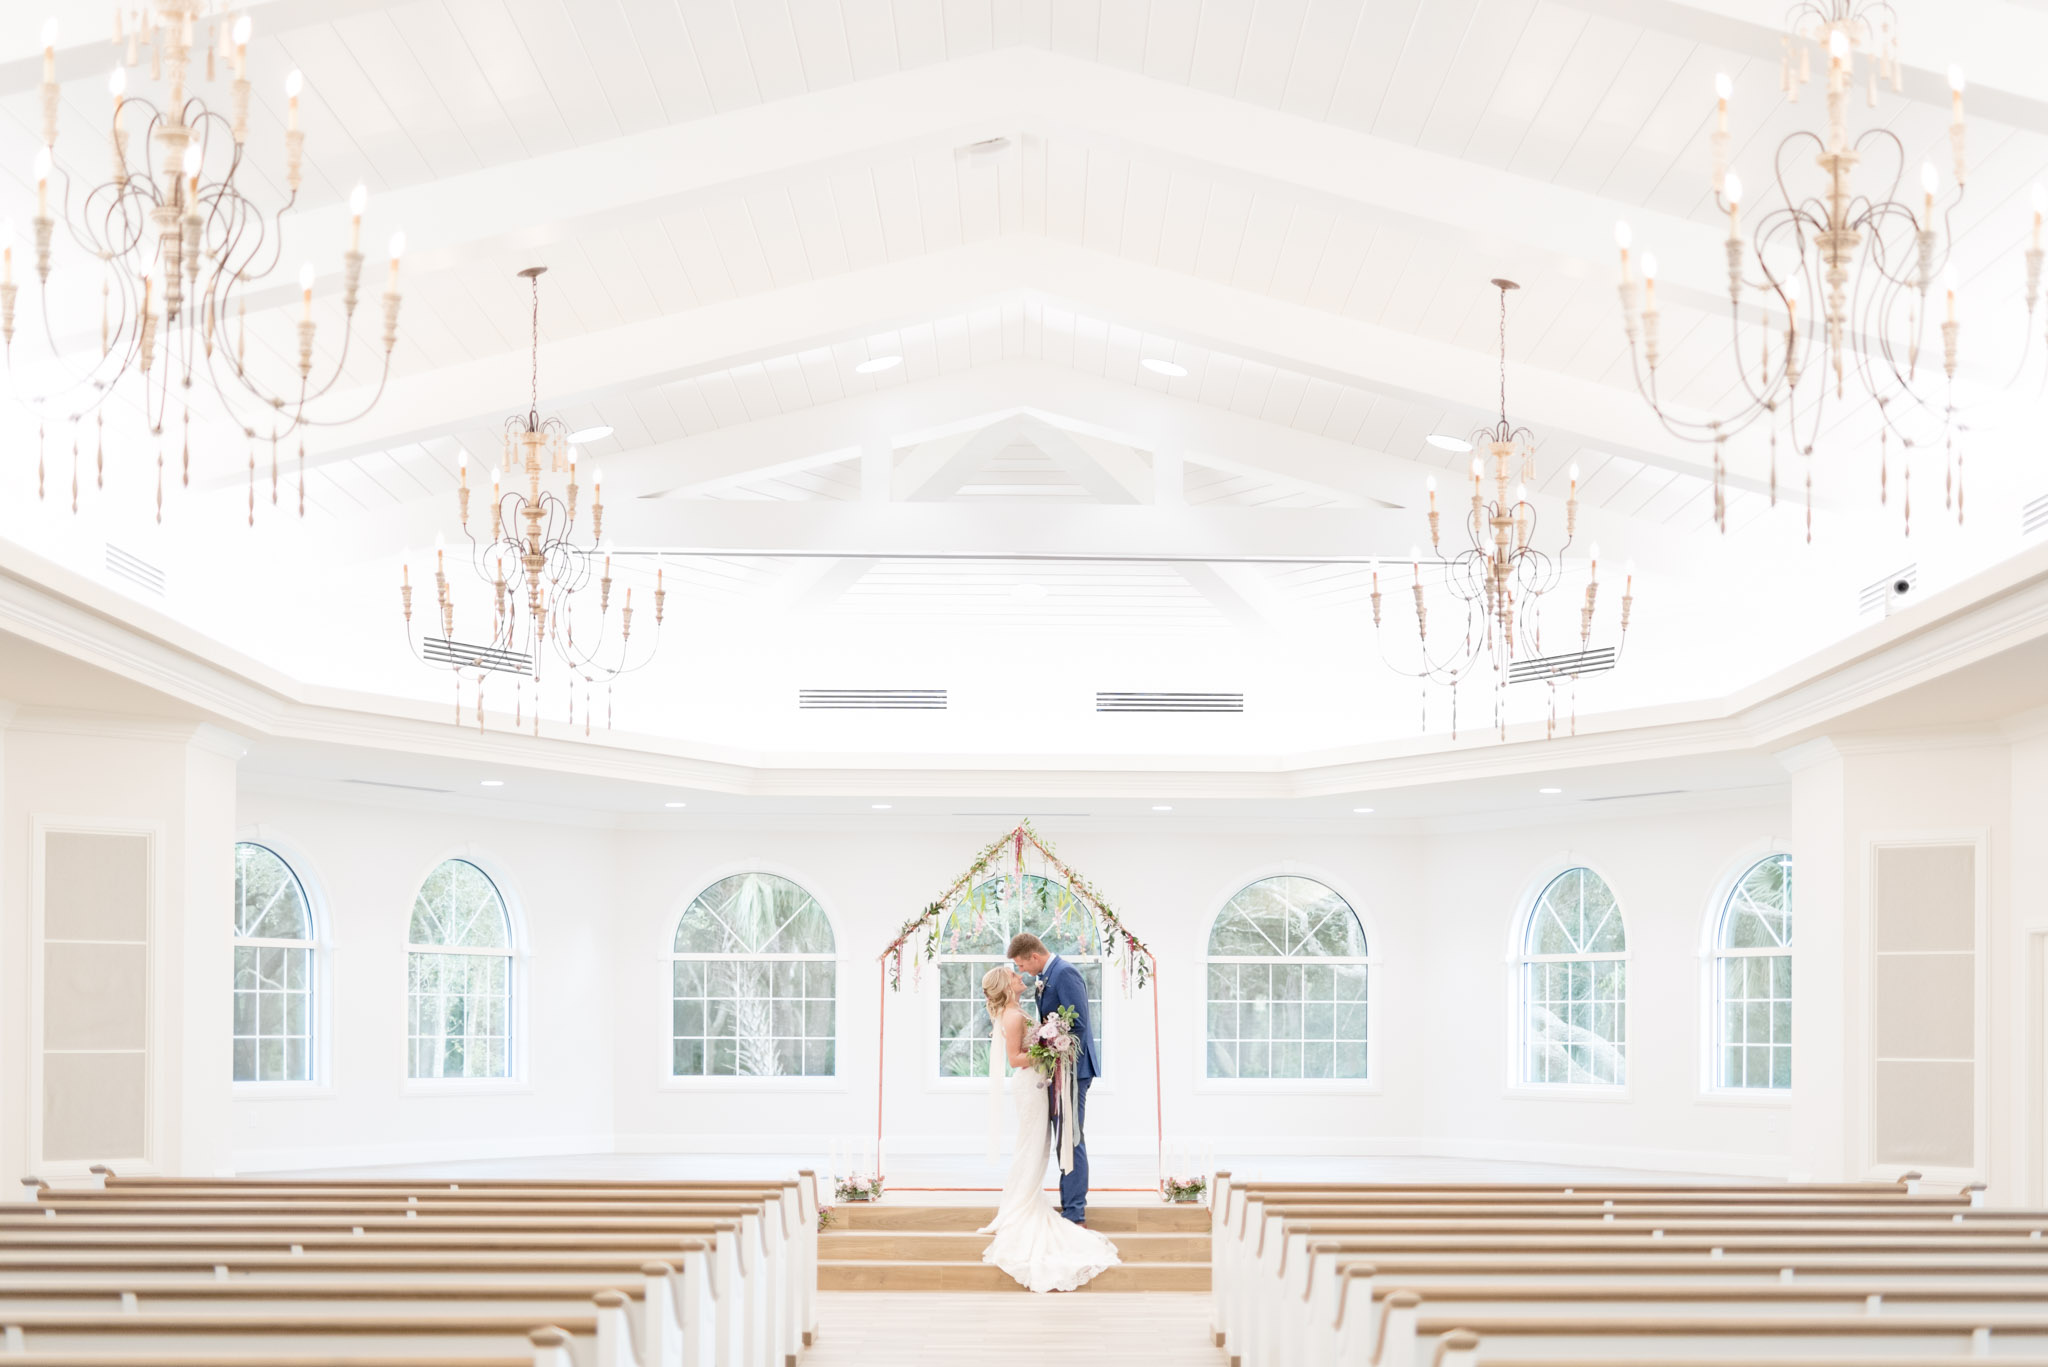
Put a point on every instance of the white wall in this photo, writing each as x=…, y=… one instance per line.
x=174, y=782
x=1665, y=871
x=600, y=907
x=363, y=863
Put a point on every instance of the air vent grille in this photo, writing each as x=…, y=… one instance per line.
x=133, y=568
x=409, y=787
x=1169, y=702
x=872, y=699
x=1623, y=797
x=1873, y=597
x=466, y=655
x=1543, y=668
x=2034, y=516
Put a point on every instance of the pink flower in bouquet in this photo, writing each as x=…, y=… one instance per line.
x=1049, y=1030
x=1065, y=1044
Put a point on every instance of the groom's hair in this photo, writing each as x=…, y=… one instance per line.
x=1023, y=943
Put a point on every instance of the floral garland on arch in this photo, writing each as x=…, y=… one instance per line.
x=1135, y=959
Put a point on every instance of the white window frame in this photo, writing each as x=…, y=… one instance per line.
x=1518, y=962
x=1370, y=1084
x=1107, y=1028
x=665, y=961
x=516, y=955
x=1710, y=954
x=319, y=1051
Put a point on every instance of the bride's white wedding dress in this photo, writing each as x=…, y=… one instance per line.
x=1033, y=1242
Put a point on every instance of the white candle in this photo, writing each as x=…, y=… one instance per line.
x=306, y=292
x=357, y=198
x=293, y=84
x=50, y=51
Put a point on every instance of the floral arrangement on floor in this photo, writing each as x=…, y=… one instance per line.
x=859, y=1187
x=1183, y=1190
x=824, y=1218
x=919, y=936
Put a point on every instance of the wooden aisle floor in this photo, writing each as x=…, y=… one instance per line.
x=959, y=1329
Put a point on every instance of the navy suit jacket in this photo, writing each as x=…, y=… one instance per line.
x=1065, y=987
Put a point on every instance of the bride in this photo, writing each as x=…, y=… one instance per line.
x=1032, y=1243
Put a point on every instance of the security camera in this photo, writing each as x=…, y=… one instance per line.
x=1898, y=592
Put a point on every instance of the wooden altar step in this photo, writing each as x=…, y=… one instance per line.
x=887, y=1247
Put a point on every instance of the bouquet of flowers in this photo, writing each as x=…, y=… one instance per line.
x=1053, y=1043
x=1183, y=1190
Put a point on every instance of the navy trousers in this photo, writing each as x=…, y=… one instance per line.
x=1074, y=1185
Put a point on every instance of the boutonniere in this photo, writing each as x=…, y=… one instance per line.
x=1039, y=989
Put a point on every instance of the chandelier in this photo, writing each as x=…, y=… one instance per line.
x=179, y=247
x=1842, y=276
x=539, y=577
x=1497, y=580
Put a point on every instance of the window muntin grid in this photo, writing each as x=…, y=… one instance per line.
x=1575, y=985
x=973, y=941
x=459, y=977
x=273, y=983
x=1753, y=980
x=1288, y=985
x=753, y=983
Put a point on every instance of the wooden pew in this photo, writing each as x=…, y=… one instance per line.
x=797, y=1198
x=665, y=1328
x=755, y=1324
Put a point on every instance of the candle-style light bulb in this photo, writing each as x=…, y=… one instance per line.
x=1948, y=285
x=1624, y=236
x=195, y=158
x=117, y=84
x=1723, y=88
x=293, y=84
x=1649, y=282
x=1838, y=46
x=50, y=49
x=241, y=37
x=306, y=275
x=357, y=198
x=1731, y=186
x=43, y=163
x=1594, y=571
x=2040, y=209
x=397, y=249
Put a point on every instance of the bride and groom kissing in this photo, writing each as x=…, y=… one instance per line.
x=1044, y=1249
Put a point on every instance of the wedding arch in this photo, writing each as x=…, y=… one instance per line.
x=1016, y=870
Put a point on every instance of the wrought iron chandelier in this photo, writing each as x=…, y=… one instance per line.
x=179, y=247
x=1498, y=580
x=1843, y=278
x=538, y=574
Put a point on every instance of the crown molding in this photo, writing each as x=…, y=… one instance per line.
x=1994, y=611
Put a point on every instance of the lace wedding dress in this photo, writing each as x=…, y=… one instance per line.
x=1033, y=1242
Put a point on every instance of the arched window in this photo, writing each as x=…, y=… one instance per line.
x=1288, y=984
x=273, y=970
x=1753, y=978
x=754, y=981
x=459, y=976
x=1575, y=984
x=974, y=940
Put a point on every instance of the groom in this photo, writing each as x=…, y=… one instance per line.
x=1060, y=984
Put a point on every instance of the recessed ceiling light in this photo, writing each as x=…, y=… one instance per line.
x=875, y=365
x=1167, y=368
x=1362, y=811
x=492, y=782
x=1444, y=443
x=880, y=806
x=1161, y=807
x=675, y=804
x=1549, y=791
x=1029, y=591
x=597, y=433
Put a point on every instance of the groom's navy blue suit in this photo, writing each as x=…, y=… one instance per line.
x=1064, y=987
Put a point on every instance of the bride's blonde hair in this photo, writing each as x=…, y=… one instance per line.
x=999, y=989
